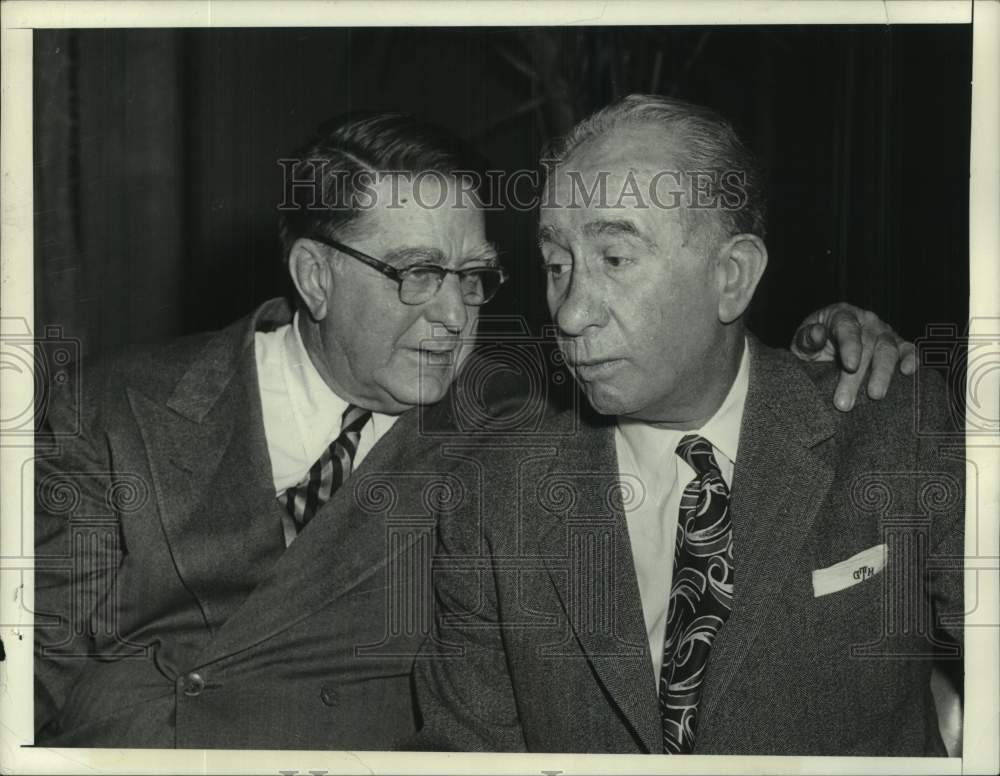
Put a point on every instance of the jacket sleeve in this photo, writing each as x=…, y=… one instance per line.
x=464, y=691
x=942, y=457
x=77, y=547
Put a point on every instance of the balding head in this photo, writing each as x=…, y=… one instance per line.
x=703, y=157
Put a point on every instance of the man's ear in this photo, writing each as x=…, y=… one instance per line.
x=312, y=275
x=740, y=264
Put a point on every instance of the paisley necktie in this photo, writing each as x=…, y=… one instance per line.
x=701, y=594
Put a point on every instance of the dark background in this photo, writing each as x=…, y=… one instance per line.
x=156, y=183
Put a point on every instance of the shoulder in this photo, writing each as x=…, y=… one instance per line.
x=85, y=392
x=154, y=369
x=793, y=400
x=780, y=374
x=925, y=398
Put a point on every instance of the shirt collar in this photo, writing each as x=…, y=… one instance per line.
x=722, y=429
x=317, y=404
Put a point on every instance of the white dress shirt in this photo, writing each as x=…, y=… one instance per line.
x=648, y=453
x=301, y=413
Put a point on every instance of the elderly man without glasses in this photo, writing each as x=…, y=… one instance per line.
x=714, y=561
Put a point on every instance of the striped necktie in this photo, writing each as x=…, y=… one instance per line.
x=701, y=595
x=303, y=501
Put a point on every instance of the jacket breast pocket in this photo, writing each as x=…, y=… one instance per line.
x=847, y=603
x=858, y=569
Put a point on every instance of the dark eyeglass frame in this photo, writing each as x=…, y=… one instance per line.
x=399, y=275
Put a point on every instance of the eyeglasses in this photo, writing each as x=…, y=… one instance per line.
x=420, y=282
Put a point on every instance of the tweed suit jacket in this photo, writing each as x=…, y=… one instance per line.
x=540, y=643
x=170, y=613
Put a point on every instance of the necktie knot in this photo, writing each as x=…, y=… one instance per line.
x=697, y=452
x=354, y=419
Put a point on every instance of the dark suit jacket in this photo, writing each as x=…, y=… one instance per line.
x=540, y=636
x=170, y=612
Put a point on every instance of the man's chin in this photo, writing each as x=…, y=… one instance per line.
x=422, y=389
x=605, y=400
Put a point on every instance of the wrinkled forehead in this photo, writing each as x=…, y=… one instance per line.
x=635, y=203
x=634, y=168
x=610, y=187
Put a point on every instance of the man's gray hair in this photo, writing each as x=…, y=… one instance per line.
x=708, y=144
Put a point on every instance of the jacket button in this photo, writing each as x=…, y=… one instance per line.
x=193, y=684
x=328, y=695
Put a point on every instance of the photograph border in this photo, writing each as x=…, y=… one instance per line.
x=982, y=644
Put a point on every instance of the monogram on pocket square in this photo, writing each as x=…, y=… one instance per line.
x=857, y=568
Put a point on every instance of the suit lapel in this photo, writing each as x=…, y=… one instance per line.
x=779, y=484
x=344, y=545
x=584, y=547
x=211, y=471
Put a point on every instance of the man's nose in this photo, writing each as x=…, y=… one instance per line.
x=447, y=307
x=580, y=307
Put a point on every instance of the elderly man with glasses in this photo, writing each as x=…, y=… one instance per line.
x=205, y=577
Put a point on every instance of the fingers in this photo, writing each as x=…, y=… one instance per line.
x=851, y=380
x=847, y=335
x=868, y=350
x=908, y=360
x=810, y=340
x=847, y=390
x=884, y=359
x=855, y=337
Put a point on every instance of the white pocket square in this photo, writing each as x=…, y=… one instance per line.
x=857, y=568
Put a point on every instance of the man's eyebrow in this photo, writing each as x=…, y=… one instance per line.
x=414, y=255
x=487, y=252
x=547, y=234
x=426, y=255
x=616, y=228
